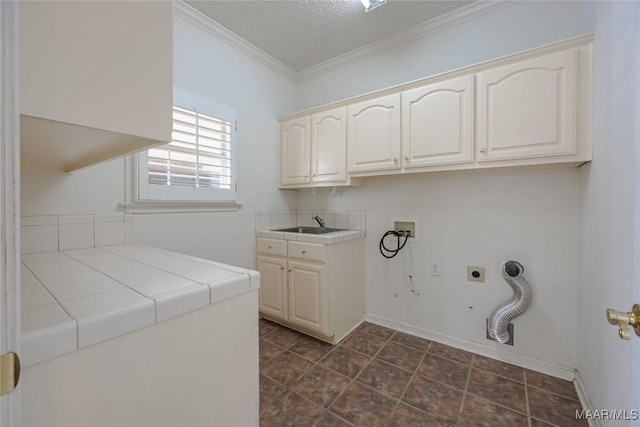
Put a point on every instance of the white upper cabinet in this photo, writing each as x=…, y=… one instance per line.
x=437, y=123
x=328, y=149
x=528, y=108
x=374, y=134
x=295, y=148
x=96, y=80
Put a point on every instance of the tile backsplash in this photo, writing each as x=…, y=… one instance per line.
x=333, y=218
x=53, y=233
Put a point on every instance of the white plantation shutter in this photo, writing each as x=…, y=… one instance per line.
x=199, y=162
x=199, y=154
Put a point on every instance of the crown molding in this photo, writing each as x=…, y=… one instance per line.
x=197, y=18
x=453, y=18
x=464, y=14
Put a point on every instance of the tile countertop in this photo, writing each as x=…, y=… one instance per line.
x=328, y=238
x=77, y=298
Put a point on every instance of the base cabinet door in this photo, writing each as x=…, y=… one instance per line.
x=273, y=286
x=528, y=109
x=307, y=295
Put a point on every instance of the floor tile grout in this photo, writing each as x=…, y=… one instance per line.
x=413, y=375
x=397, y=402
x=526, y=398
x=465, y=392
x=372, y=357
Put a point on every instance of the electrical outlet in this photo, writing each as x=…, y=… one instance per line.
x=475, y=274
x=435, y=268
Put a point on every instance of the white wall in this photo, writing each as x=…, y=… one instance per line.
x=204, y=65
x=207, y=66
x=609, y=254
x=470, y=218
x=98, y=189
x=519, y=26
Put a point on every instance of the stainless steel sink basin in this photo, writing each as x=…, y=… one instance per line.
x=309, y=230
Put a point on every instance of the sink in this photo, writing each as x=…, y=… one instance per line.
x=309, y=230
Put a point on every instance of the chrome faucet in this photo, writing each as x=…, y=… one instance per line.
x=320, y=221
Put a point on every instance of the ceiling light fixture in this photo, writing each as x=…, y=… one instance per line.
x=372, y=4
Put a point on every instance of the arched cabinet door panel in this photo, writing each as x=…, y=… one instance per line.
x=373, y=137
x=295, y=149
x=328, y=146
x=528, y=108
x=437, y=123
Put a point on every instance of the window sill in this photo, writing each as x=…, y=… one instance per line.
x=162, y=206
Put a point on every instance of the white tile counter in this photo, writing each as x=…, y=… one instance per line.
x=77, y=298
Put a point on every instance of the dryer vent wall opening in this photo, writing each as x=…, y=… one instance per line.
x=498, y=323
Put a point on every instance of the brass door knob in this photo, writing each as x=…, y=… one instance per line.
x=624, y=320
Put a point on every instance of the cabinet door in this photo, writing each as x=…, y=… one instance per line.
x=307, y=296
x=374, y=134
x=527, y=109
x=437, y=123
x=295, y=147
x=273, y=286
x=328, y=150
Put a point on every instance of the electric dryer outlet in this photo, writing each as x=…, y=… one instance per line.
x=475, y=274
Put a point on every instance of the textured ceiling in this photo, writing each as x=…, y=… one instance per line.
x=304, y=33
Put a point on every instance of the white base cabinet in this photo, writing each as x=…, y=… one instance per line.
x=315, y=288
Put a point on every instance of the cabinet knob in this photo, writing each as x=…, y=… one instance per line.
x=395, y=159
x=482, y=150
x=282, y=267
x=406, y=158
x=313, y=174
x=268, y=247
x=289, y=270
x=303, y=252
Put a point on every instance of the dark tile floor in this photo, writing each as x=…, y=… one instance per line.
x=381, y=377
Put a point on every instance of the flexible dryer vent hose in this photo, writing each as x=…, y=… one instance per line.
x=513, y=274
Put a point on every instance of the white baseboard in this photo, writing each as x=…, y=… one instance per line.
x=584, y=399
x=558, y=371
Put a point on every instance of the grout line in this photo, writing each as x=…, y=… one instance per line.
x=413, y=375
x=557, y=394
x=500, y=375
x=526, y=398
x=399, y=400
x=372, y=357
x=466, y=387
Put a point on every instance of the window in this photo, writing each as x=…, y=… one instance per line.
x=199, y=162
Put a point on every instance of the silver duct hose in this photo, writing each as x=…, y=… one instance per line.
x=513, y=274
